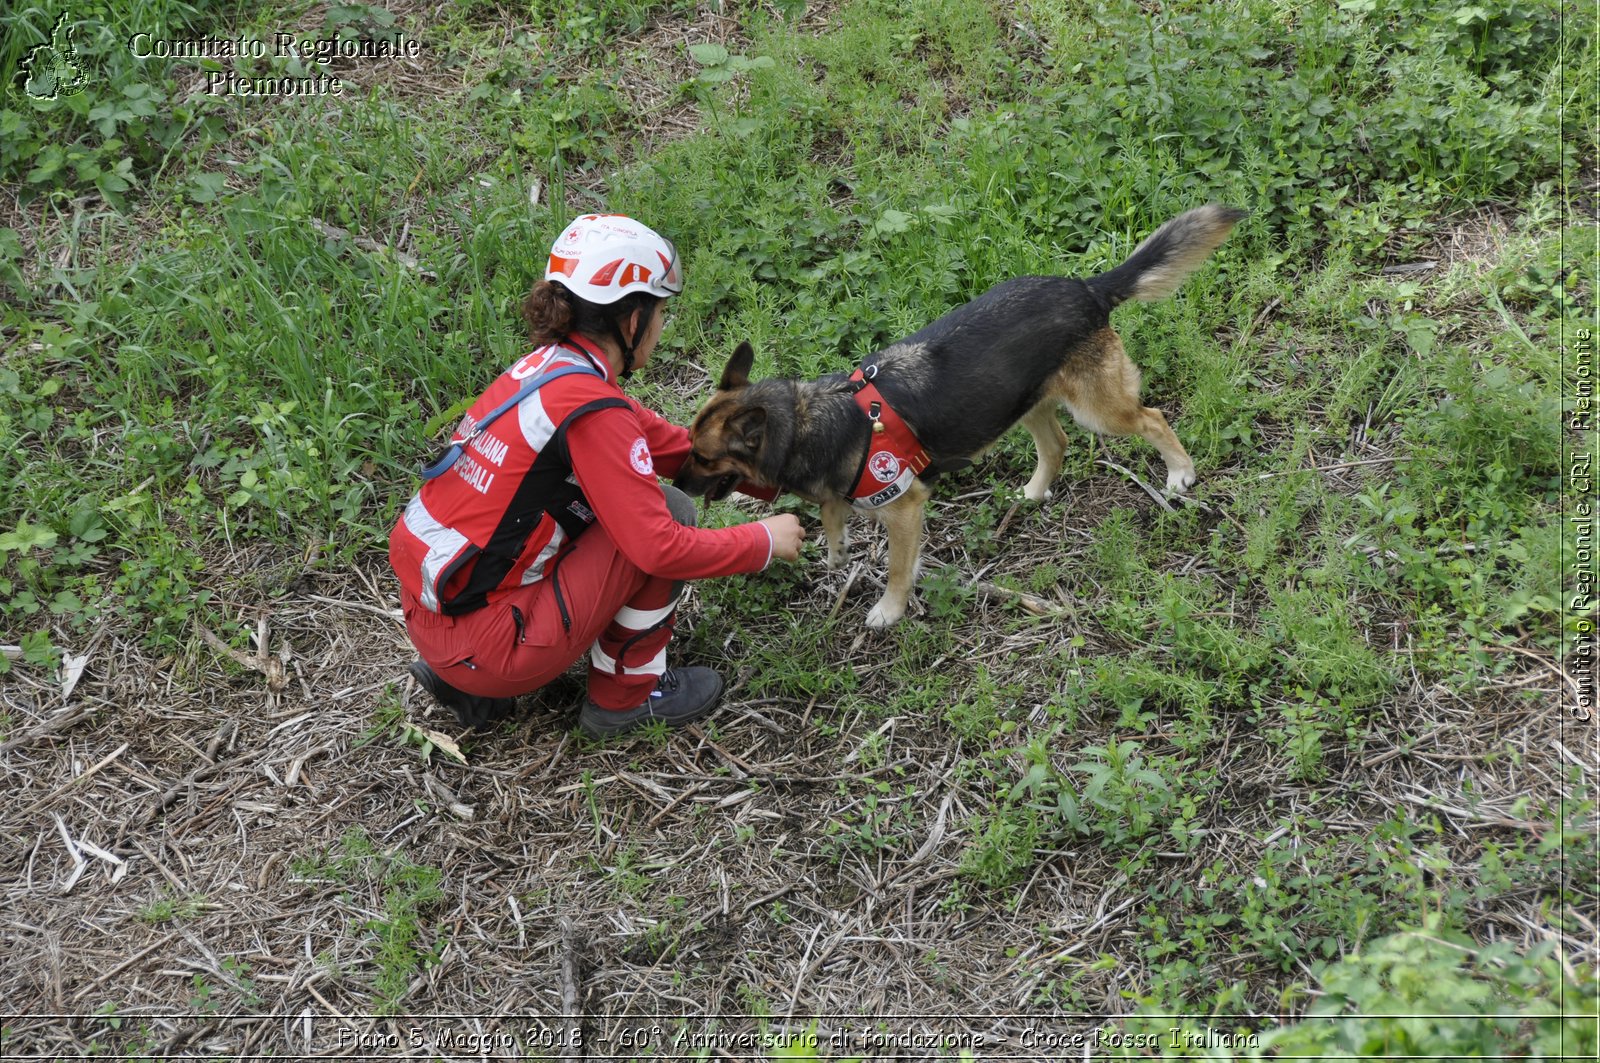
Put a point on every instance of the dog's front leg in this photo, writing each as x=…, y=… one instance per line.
x=903, y=520
x=834, y=515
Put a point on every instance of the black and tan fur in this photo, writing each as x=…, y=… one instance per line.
x=1015, y=353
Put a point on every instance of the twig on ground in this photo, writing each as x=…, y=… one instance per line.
x=838, y=603
x=76, y=780
x=1330, y=468
x=1408, y=267
x=79, y=864
x=184, y=783
x=1034, y=605
x=360, y=607
x=60, y=722
x=263, y=662
x=1161, y=499
x=571, y=975
x=1005, y=521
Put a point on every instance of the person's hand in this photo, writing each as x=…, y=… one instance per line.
x=787, y=535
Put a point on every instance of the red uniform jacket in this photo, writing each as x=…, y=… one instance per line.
x=574, y=452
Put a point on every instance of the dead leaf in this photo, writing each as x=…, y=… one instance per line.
x=443, y=742
x=71, y=671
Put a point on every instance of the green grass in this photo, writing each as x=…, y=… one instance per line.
x=191, y=367
x=399, y=895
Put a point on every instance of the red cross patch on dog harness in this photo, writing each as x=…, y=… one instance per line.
x=894, y=456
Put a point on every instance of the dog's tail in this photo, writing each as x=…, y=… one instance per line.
x=1160, y=265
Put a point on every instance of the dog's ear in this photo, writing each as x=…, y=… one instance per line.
x=747, y=431
x=737, y=373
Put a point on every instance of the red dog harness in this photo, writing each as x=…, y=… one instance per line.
x=894, y=457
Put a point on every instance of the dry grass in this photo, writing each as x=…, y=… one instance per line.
x=697, y=871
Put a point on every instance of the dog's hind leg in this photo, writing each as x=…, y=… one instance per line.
x=903, y=520
x=1180, y=467
x=834, y=514
x=1105, y=399
x=1044, y=424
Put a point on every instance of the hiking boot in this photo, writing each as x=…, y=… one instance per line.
x=472, y=710
x=681, y=696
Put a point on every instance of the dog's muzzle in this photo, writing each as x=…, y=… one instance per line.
x=712, y=488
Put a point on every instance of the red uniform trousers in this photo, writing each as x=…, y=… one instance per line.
x=595, y=600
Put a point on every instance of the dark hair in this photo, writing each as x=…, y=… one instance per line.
x=552, y=311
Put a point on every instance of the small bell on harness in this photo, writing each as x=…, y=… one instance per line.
x=875, y=411
x=877, y=427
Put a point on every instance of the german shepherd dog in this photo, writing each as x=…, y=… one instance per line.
x=1015, y=353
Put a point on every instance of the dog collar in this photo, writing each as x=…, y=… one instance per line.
x=894, y=457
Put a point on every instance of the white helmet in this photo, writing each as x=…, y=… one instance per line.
x=602, y=257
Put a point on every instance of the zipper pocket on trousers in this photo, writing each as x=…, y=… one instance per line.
x=561, y=600
x=522, y=631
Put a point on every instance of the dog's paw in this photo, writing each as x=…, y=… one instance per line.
x=1179, y=480
x=837, y=555
x=1036, y=493
x=885, y=615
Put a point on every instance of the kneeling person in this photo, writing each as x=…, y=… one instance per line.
x=545, y=531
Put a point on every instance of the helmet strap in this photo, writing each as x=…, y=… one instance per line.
x=642, y=321
x=627, y=349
